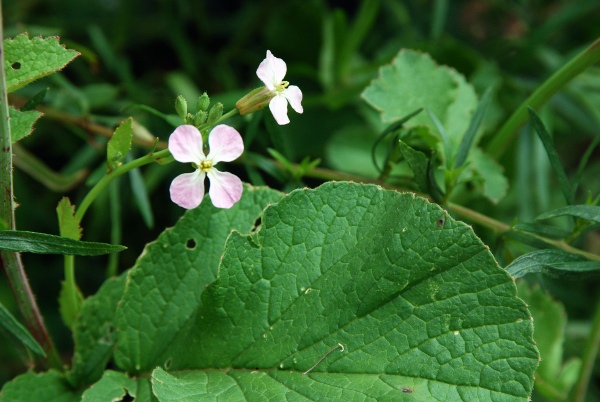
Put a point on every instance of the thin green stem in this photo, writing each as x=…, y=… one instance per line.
x=97, y=189
x=549, y=88
x=227, y=115
x=11, y=262
x=590, y=352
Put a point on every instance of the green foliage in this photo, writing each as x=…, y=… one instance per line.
x=32, y=242
x=47, y=386
x=10, y=323
x=327, y=267
x=26, y=60
x=68, y=224
x=21, y=123
x=119, y=144
x=555, y=264
x=113, y=386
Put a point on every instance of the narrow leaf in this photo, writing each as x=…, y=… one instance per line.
x=68, y=224
x=119, y=144
x=40, y=243
x=555, y=264
x=8, y=321
x=26, y=60
x=589, y=212
x=552, y=232
x=35, y=100
x=467, y=141
x=557, y=165
x=584, y=160
x=140, y=193
x=446, y=141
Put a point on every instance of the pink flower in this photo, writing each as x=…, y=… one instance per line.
x=271, y=72
x=185, y=144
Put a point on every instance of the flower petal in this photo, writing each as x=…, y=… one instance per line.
x=271, y=71
x=187, y=190
x=225, y=143
x=278, y=106
x=225, y=188
x=185, y=144
x=294, y=95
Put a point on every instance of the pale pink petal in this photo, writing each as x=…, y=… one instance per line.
x=225, y=188
x=225, y=143
x=294, y=95
x=185, y=144
x=278, y=106
x=271, y=71
x=187, y=190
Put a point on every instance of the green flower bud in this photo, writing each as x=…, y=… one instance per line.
x=200, y=118
x=203, y=102
x=181, y=107
x=255, y=100
x=215, y=113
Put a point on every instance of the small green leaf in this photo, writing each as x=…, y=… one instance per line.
x=68, y=225
x=33, y=387
x=21, y=123
x=69, y=303
x=557, y=165
x=119, y=144
x=588, y=212
x=8, y=321
x=112, y=387
x=413, y=80
x=94, y=333
x=40, y=243
x=555, y=264
x=26, y=60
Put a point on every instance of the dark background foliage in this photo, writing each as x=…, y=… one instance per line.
x=147, y=52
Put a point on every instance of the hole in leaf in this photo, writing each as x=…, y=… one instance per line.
x=16, y=65
x=191, y=244
x=256, y=224
x=127, y=398
x=168, y=363
x=440, y=222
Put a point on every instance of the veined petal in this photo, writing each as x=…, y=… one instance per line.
x=187, y=190
x=278, y=106
x=185, y=144
x=294, y=95
x=271, y=71
x=225, y=188
x=225, y=143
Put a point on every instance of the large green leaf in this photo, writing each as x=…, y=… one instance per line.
x=26, y=60
x=163, y=289
x=353, y=292
x=412, y=81
x=41, y=243
x=32, y=387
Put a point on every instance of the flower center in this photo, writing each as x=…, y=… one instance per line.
x=282, y=86
x=205, y=166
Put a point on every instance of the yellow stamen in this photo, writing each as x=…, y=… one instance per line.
x=282, y=86
x=205, y=166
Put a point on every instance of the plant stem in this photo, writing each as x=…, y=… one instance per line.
x=11, y=262
x=590, y=352
x=549, y=88
x=95, y=191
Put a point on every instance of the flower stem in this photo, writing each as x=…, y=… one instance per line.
x=11, y=262
x=97, y=189
x=227, y=115
x=499, y=144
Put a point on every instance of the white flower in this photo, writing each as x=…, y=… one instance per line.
x=185, y=144
x=271, y=72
